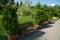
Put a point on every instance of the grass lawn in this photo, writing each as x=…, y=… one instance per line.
x=25, y=19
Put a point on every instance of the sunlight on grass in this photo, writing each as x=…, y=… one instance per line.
x=25, y=19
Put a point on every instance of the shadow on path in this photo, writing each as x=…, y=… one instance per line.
x=46, y=26
x=33, y=36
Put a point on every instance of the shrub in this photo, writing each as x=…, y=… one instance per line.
x=41, y=16
x=10, y=22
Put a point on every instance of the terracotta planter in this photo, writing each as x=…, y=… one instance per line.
x=13, y=37
x=37, y=27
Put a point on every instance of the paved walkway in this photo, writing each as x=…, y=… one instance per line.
x=48, y=33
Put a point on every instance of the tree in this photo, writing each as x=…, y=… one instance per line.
x=11, y=2
x=45, y=8
x=10, y=22
x=17, y=4
x=41, y=16
x=3, y=3
x=21, y=3
x=38, y=5
x=24, y=9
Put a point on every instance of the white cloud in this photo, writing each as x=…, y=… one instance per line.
x=52, y=5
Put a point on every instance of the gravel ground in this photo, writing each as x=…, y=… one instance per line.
x=48, y=33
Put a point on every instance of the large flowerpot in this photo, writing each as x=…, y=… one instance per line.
x=37, y=27
x=13, y=37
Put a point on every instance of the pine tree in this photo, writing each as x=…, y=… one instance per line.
x=3, y=3
x=10, y=20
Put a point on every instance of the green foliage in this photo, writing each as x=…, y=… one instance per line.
x=25, y=19
x=11, y=1
x=10, y=20
x=2, y=31
x=38, y=5
x=3, y=3
x=3, y=37
x=24, y=14
x=55, y=11
x=0, y=22
x=21, y=3
x=41, y=16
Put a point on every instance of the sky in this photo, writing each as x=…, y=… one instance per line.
x=42, y=2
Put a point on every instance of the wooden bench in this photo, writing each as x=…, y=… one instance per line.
x=23, y=28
